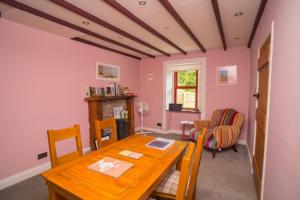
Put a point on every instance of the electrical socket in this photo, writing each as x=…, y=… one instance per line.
x=158, y=124
x=42, y=155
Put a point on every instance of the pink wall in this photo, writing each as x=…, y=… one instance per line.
x=282, y=177
x=235, y=96
x=42, y=78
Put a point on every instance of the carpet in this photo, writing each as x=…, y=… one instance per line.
x=227, y=177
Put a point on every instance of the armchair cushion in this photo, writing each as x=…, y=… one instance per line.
x=210, y=141
x=195, y=133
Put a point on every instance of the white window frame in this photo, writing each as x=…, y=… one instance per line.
x=169, y=67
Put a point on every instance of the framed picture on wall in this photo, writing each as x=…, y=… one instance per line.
x=150, y=75
x=107, y=72
x=227, y=75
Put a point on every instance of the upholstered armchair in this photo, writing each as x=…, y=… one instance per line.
x=223, y=129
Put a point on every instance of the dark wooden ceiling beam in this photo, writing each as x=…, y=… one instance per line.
x=51, y=18
x=257, y=20
x=219, y=22
x=101, y=22
x=78, y=39
x=180, y=21
x=138, y=21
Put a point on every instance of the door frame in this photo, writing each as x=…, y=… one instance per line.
x=268, y=110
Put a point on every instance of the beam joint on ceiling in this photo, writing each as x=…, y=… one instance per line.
x=141, y=23
x=257, y=20
x=101, y=22
x=51, y=18
x=219, y=22
x=167, y=5
x=78, y=39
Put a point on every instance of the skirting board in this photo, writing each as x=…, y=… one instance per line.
x=16, y=178
x=242, y=142
x=250, y=158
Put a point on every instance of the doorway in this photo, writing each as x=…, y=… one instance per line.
x=261, y=113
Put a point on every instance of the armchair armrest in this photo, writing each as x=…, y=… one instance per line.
x=199, y=124
x=226, y=135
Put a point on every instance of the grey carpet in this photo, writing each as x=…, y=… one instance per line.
x=227, y=177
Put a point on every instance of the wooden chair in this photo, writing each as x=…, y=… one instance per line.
x=196, y=165
x=62, y=134
x=100, y=125
x=174, y=185
x=181, y=192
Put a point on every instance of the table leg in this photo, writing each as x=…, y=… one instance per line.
x=179, y=161
x=183, y=136
x=53, y=195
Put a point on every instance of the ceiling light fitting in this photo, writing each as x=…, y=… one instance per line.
x=238, y=14
x=86, y=22
x=142, y=3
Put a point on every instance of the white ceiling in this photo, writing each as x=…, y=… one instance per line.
x=197, y=14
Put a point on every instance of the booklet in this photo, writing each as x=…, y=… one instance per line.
x=130, y=154
x=160, y=143
x=110, y=166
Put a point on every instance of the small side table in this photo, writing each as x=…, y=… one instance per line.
x=186, y=125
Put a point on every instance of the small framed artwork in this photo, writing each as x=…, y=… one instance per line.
x=107, y=72
x=150, y=75
x=227, y=75
x=117, y=112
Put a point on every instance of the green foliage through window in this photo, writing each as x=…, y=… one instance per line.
x=185, y=88
x=186, y=78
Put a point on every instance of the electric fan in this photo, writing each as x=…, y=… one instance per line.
x=143, y=109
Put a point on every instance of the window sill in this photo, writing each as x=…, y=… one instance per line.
x=185, y=111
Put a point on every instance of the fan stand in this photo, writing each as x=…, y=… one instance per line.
x=142, y=132
x=142, y=122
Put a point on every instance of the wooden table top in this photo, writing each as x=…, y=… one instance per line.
x=138, y=182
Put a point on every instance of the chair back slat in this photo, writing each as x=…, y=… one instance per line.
x=106, y=124
x=68, y=157
x=196, y=164
x=63, y=134
x=185, y=172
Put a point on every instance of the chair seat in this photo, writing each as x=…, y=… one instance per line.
x=210, y=141
x=169, y=184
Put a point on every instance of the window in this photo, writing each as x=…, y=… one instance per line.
x=196, y=68
x=186, y=88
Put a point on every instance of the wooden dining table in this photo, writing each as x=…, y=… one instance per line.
x=74, y=180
